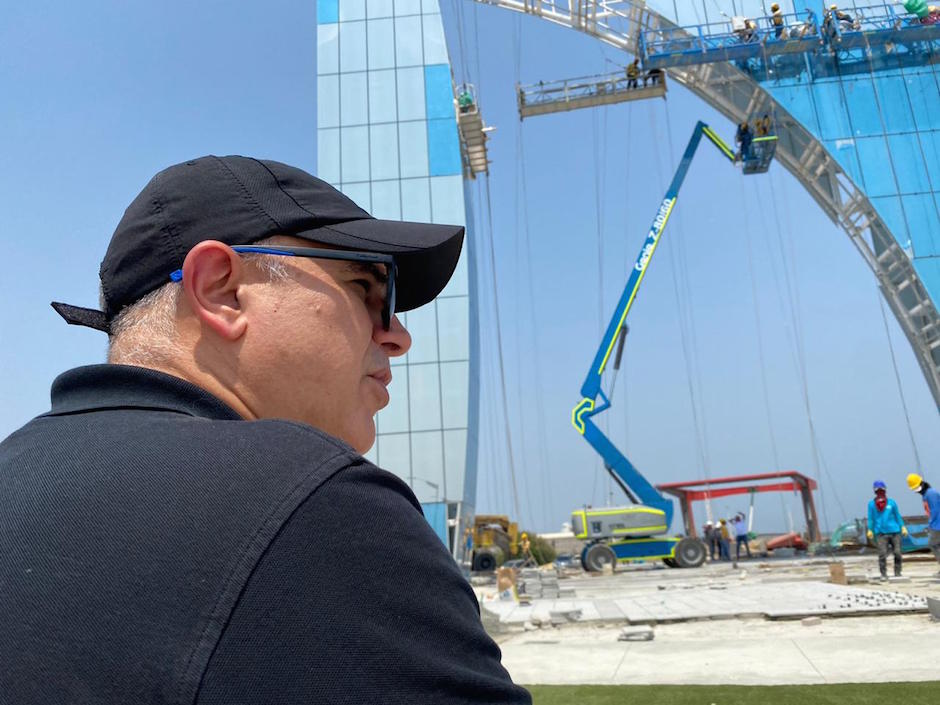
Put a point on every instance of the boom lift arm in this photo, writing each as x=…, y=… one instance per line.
x=652, y=514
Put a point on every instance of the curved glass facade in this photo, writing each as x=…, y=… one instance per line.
x=387, y=137
x=877, y=111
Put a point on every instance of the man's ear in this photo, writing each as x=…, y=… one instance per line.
x=212, y=273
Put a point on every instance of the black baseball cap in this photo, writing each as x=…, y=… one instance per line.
x=240, y=200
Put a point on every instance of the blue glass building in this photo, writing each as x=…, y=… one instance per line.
x=387, y=137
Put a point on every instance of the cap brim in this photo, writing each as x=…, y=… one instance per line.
x=426, y=255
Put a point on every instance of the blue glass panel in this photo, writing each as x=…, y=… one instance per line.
x=386, y=199
x=328, y=155
x=327, y=48
x=382, y=99
x=408, y=41
x=407, y=7
x=422, y=324
x=383, y=146
x=394, y=453
x=863, y=106
x=355, y=154
x=876, y=166
x=411, y=94
x=381, y=44
x=438, y=91
x=416, y=200
x=830, y=107
x=923, y=224
x=435, y=47
x=929, y=271
x=328, y=101
x=443, y=147
x=413, y=148
x=352, y=46
x=435, y=513
x=925, y=95
x=352, y=10
x=798, y=102
x=429, y=7
x=895, y=106
x=424, y=389
x=394, y=417
x=379, y=8
x=354, y=100
x=447, y=204
x=455, y=452
x=453, y=321
x=844, y=152
x=454, y=388
x=931, y=144
x=327, y=11
x=908, y=163
x=889, y=208
x=360, y=194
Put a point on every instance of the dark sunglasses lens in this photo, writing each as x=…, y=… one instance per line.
x=389, y=309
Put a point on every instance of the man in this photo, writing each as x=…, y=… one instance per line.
x=193, y=522
x=633, y=73
x=931, y=509
x=724, y=537
x=885, y=527
x=743, y=137
x=711, y=539
x=776, y=19
x=740, y=536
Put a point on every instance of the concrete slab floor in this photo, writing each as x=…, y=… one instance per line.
x=733, y=649
x=737, y=652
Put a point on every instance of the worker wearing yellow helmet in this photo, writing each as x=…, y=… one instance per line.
x=776, y=19
x=931, y=508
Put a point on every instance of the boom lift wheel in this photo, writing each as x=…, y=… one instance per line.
x=599, y=555
x=690, y=553
x=671, y=562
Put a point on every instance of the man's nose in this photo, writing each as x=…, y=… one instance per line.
x=395, y=341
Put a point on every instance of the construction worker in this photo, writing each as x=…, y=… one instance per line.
x=743, y=137
x=465, y=100
x=526, y=547
x=885, y=527
x=712, y=538
x=740, y=537
x=633, y=73
x=932, y=509
x=776, y=19
x=725, y=540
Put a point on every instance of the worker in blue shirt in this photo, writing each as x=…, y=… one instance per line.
x=932, y=509
x=886, y=527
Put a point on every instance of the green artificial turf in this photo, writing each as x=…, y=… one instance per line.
x=840, y=694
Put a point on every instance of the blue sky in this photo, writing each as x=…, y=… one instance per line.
x=99, y=96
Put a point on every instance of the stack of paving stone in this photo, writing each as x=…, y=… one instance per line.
x=538, y=584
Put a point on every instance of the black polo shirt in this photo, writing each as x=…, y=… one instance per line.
x=157, y=548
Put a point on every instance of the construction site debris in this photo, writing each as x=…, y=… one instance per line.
x=641, y=633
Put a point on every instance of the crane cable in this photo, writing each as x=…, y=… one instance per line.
x=897, y=378
x=522, y=208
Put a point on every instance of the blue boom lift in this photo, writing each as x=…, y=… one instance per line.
x=621, y=534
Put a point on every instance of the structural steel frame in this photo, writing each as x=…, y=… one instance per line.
x=737, y=96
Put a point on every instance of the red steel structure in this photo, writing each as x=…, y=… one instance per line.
x=697, y=490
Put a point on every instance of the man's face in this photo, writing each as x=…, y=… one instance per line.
x=318, y=352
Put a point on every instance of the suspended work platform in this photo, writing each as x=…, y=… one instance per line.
x=473, y=133
x=868, y=34
x=589, y=91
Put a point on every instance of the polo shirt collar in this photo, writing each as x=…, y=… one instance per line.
x=98, y=387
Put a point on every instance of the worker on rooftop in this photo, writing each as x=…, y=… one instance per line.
x=932, y=509
x=885, y=527
x=725, y=540
x=712, y=538
x=776, y=19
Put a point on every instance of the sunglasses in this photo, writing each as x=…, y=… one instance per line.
x=388, y=305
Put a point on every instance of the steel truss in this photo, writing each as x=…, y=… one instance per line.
x=738, y=97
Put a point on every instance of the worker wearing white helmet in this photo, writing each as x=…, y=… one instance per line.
x=931, y=508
